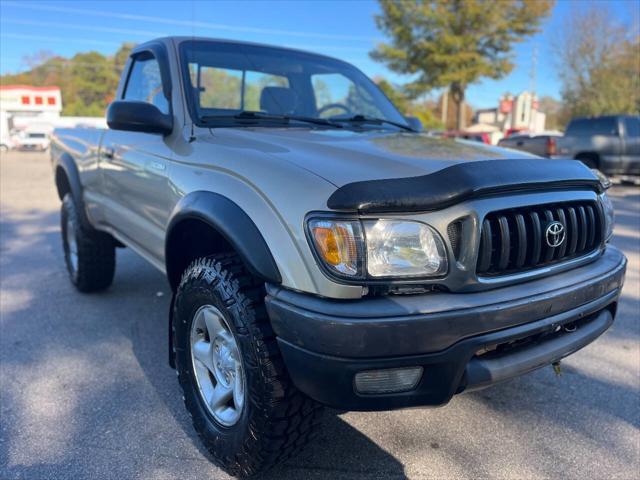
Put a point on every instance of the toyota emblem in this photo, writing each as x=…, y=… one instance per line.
x=554, y=234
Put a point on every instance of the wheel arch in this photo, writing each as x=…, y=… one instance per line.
x=204, y=223
x=67, y=180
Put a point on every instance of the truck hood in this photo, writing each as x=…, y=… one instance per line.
x=346, y=156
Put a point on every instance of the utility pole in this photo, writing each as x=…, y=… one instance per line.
x=532, y=86
x=445, y=107
x=534, y=66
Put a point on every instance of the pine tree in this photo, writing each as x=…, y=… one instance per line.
x=454, y=43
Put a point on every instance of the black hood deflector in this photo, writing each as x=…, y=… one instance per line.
x=461, y=182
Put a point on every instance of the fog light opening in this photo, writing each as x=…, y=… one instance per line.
x=390, y=380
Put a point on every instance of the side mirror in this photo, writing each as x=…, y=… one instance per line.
x=415, y=123
x=136, y=116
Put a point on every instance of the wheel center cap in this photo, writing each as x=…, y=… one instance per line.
x=223, y=361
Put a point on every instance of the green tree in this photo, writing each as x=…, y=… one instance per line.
x=121, y=56
x=425, y=111
x=554, y=111
x=396, y=95
x=454, y=43
x=88, y=81
x=95, y=82
x=598, y=64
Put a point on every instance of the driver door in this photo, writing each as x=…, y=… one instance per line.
x=134, y=166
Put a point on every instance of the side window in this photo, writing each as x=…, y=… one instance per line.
x=337, y=95
x=604, y=126
x=218, y=88
x=578, y=128
x=145, y=83
x=632, y=126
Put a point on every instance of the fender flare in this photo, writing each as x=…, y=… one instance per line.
x=68, y=165
x=233, y=224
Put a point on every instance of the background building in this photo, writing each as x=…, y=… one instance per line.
x=24, y=106
x=519, y=113
x=27, y=112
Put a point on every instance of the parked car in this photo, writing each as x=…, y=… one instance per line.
x=5, y=144
x=319, y=250
x=609, y=143
x=543, y=145
x=37, y=140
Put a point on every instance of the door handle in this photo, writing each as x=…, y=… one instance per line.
x=109, y=153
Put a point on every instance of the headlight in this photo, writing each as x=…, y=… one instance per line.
x=378, y=248
x=609, y=216
x=402, y=249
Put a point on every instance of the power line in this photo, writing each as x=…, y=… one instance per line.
x=57, y=39
x=20, y=36
x=187, y=23
x=91, y=28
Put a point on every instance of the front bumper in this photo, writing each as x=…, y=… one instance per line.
x=326, y=342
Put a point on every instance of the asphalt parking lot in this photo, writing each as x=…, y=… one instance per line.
x=86, y=391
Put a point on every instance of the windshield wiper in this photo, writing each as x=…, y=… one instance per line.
x=258, y=116
x=245, y=115
x=366, y=119
x=249, y=115
x=316, y=120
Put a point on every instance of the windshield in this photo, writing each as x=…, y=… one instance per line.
x=226, y=79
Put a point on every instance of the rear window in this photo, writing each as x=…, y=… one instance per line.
x=37, y=135
x=229, y=89
x=587, y=127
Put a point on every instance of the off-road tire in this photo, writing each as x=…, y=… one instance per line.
x=589, y=159
x=277, y=420
x=96, y=253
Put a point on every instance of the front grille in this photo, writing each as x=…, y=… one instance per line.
x=515, y=240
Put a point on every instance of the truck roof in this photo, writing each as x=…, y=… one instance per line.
x=177, y=39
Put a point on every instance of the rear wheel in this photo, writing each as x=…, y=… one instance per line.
x=589, y=159
x=243, y=404
x=89, y=254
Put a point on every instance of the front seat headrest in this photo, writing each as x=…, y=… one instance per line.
x=278, y=100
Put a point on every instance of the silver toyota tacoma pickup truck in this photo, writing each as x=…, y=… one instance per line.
x=319, y=249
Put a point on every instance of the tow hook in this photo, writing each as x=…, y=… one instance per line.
x=557, y=368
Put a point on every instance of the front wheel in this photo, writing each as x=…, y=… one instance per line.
x=243, y=404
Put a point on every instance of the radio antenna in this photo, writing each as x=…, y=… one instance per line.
x=192, y=137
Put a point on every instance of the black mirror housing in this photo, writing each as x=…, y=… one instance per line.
x=414, y=123
x=137, y=116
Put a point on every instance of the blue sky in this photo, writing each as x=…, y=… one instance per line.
x=343, y=29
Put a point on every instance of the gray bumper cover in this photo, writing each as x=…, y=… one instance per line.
x=409, y=325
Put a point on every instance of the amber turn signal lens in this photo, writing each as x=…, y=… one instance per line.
x=327, y=244
x=336, y=242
